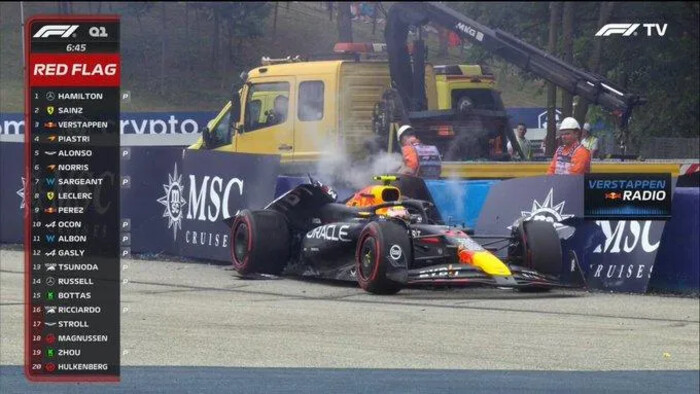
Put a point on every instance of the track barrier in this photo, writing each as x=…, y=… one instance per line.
x=176, y=201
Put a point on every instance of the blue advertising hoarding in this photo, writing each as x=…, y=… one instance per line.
x=186, y=220
x=177, y=199
x=216, y=186
x=615, y=255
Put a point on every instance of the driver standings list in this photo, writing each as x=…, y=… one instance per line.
x=72, y=250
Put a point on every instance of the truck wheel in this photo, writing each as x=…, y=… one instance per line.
x=542, y=247
x=379, y=242
x=259, y=242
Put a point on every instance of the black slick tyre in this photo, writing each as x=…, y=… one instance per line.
x=542, y=247
x=259, y=242
x=377, y=244
x=541, y=251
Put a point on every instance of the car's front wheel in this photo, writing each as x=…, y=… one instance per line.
x=382, y=247
x=542, y=247
x=539, y=248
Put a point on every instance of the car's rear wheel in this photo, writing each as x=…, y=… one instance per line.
x=259, y=242
x=378, y=243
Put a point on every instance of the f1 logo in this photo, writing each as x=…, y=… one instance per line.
x=64, y=31
x=626, y=29
x=630, y=29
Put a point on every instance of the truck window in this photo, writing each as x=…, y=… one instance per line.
x=222, y=131
x=253, y=112
x=267, y=104
x=310, y=101
x=475, y=99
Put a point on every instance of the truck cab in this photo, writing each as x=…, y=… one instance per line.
x=299, y=110
x=460, y=86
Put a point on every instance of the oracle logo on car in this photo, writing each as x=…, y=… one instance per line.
x=330, y=232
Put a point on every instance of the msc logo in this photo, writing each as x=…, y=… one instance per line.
x=64, y=31
x=627, y=236
x=173, y=201
x=629, y=29
x=547, y=211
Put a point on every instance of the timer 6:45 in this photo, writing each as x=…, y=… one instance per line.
x=76, y=47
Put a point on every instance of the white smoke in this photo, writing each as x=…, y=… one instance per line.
x=342, y=163
x=338, y=168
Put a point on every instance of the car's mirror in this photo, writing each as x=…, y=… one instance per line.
x=235, y=106
x=208, y=141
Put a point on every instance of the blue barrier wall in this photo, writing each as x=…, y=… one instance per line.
x=677, y=266
x=460, y=201
x=617, y=255
x=151, y=170
x=178, y=199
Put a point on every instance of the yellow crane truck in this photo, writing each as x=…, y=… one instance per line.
x=302, y=109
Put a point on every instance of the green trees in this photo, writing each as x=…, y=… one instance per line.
x=658, y=63
x=237, y=20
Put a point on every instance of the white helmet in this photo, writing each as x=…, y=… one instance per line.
x=402, y=130
x=569, y=124
x=587, y=126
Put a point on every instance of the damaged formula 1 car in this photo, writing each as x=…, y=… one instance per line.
x=386, y=242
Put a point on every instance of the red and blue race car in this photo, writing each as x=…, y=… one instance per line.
x=386, y=242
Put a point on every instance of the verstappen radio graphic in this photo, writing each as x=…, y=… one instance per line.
x=627, y=196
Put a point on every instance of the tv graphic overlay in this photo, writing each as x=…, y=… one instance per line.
x=72, y=234
x=627, y=196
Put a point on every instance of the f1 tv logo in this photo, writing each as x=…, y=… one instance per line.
x=628, y=29
x=64, y=31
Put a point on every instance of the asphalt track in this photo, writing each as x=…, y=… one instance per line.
x=195, y=327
